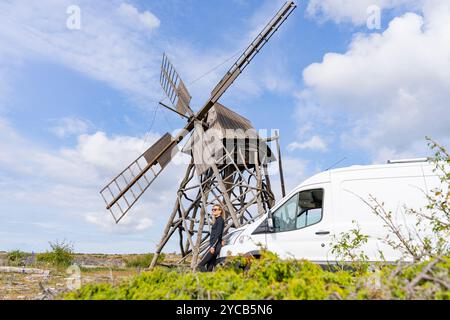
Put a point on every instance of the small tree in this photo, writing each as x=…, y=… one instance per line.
x=427, y=243
x=61, y=254
x=17, y=258
x=347, y=248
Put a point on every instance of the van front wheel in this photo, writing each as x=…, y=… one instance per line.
x=253, y=254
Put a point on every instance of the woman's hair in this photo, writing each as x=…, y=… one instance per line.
x=222, y=212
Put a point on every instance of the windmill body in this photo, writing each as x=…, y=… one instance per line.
x=229, y=160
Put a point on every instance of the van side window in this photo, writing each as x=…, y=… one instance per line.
x=301, y=210
x=285, y=217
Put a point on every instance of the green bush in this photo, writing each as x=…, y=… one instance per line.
x=17, y=257
x=141, y=260
x=272, y=278
x=61, y=255
x=265, y=278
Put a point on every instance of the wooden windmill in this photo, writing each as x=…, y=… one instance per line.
x=228, y=160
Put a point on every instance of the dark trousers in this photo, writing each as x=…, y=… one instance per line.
x=208, y=262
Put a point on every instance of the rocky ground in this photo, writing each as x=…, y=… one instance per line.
x=45, y=283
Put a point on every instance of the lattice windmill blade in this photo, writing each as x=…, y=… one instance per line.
x=244, y=60
x=253, y=49
x=174, y=87
x=128, y=186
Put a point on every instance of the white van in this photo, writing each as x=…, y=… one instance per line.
x=302, y=224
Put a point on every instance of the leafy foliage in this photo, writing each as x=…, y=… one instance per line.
x=18, y=258
x=347, y=247
x=265, y=278
x=61, y=254
x=272, y=278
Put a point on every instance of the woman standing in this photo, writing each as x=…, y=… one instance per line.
x=215, y=241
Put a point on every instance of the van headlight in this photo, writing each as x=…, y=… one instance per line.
x=232, y=237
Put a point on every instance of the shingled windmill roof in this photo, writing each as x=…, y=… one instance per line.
x=225, y=124
x=220, y=117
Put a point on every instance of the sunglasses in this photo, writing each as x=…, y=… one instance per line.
x=216, y=209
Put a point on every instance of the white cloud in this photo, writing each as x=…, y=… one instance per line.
x=353, y=11
x=5, y=88
x=70, y=126
x=108, y=153
x=315, y=143
x=111, y=45
x=132, y=222
x=119, y=45
x=68, y=180
x=393, y=88
x=146, y=19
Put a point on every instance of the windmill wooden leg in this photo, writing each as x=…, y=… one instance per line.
x=168, y=231
x=270, y=196
x=225, y=195
x=223, y=189
x=241, y=197
x=196, y=249
x=184, y=217
x=194, y=209
x=191, y=214
x=171, y=225
x=261, y=209
x=205, y=187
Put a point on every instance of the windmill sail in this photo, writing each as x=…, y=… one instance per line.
x=127, y=187
x=259, y=42
x=244, y=60
x=174, y=87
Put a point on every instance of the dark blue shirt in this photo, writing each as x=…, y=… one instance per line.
x=216, y=233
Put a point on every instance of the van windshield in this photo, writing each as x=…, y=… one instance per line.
x=302, y=210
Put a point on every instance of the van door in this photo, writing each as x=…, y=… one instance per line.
x=303, y=226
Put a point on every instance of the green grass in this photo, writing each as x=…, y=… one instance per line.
x=141, y=261
x=101, y=268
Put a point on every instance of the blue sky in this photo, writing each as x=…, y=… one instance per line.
x=76, y=106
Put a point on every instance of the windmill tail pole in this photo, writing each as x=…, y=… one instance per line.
x=280, y=165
